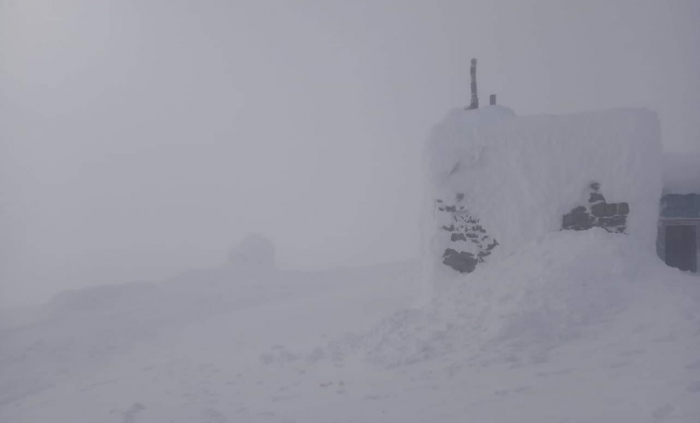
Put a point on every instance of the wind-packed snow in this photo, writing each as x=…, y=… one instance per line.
x=577, y=326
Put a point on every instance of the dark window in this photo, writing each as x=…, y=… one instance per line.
x=680, y=205
x=681, y=247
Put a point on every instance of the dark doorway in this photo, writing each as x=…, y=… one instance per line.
x=681, y=247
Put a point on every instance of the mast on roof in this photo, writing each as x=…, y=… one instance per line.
x=475, y=97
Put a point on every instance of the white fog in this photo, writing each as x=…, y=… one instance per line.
x=286, y=211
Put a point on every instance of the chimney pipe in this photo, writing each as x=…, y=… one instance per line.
x=492, y=100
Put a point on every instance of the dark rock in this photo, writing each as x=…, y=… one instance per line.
x=459, y=260
x=604, y=209
x=598, y=210
x=609, y=222
x=579, y=221
x=464, y=228
x=610, y=216
x=596, y=197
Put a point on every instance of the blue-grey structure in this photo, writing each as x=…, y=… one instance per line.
x=679, y=231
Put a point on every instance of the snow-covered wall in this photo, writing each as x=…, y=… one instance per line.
x=519, y=175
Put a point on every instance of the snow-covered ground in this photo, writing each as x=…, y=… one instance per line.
x=556, y=326
x=577, y=327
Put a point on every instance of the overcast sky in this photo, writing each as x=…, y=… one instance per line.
x=143, y=138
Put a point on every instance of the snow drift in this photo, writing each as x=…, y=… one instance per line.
x=562, y=287
x=577, y=326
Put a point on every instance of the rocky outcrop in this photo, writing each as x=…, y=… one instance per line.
x=597, y=213
x=469, y=244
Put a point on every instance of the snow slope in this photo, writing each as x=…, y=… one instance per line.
x=577, y=327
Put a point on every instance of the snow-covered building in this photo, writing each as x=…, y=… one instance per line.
x=679, y=224
x=497, y=181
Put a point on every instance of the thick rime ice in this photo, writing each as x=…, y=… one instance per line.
x=518, y=176
x=255, y=251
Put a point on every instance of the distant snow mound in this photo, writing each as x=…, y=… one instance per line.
x=560, y=288
x=103, y=297
x=255, y=252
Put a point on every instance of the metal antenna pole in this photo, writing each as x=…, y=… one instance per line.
x=475, y=97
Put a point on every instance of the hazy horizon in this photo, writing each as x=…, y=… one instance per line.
x=141, y=139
